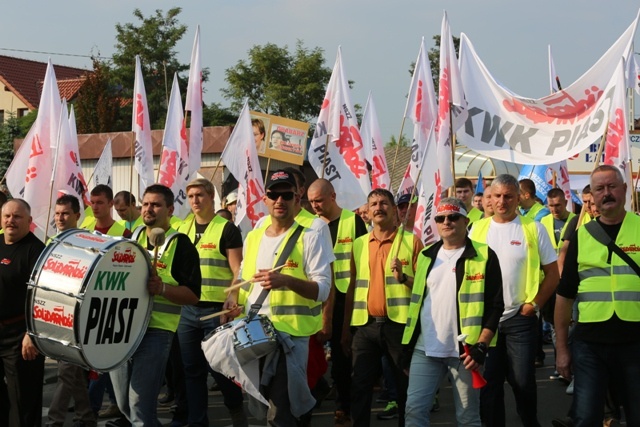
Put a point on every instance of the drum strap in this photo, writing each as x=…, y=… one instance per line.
x=288, y=248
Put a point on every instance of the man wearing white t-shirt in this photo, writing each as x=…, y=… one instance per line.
x=523, y=248
x=294, y=303
x=457, y=290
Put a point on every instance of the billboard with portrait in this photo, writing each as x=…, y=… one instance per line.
x=280, y=138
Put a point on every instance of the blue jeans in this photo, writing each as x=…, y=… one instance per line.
x=513, y=359
x=595, y=367
x=191, y=332
x=425, y=376
x=137, y=383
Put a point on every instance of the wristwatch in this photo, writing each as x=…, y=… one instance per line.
x=535, y=306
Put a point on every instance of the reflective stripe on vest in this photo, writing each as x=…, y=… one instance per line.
x=398, y=296
x=605, y=288
x=470, y=295
x=342, y=249
x=290, y=312
x=214, y=266
x=530, y=231
x=165, y=314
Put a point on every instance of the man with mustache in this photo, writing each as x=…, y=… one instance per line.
x=523, y=248
x=377, y=304
x=606, y=339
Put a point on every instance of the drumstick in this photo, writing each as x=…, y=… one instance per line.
x=219, y=313
x=156, y=238
x=241, y=284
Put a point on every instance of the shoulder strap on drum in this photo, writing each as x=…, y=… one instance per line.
x=288, y=248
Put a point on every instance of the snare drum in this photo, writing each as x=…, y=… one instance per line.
x=251, y=340
x=87, y=300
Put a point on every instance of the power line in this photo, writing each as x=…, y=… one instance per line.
x=54, y=53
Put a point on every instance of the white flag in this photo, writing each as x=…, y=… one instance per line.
x=617, y=151
x=142, y=132
x=104, y=167
x=429, y=192
x=374, y=147
x=343, y=157
x=241, y=158
x=634, y=74
x=174, y=162
x=194, y=106
x=452, y=106
x=422, y=110
x=68, y=177
x=31, y=170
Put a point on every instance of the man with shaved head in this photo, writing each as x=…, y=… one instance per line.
x=344, y=227
x=21, y=366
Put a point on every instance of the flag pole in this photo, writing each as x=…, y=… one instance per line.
x=53, y=173
x=266, y=173
x=133, y=143
x=324, y=158
x=595, y=166
x=406, y=216
x=214, y=169
x=452, y=138
x=395, y=157
x=634, y=197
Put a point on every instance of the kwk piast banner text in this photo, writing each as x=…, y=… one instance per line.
x=505, y=126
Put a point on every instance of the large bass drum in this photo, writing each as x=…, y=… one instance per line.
x=87, y=300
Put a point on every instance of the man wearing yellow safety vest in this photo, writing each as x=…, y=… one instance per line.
x=219, y=244
x=457, y=290
x=172, y=284
x=297, y=287
x=523, y=248
x=529, y=206
x=101, y=203
x=606, y=286
x=125, y=205
x=556, y=222
x=590, y=212
x=464, y=193
x=377, y=303
x=344, y=226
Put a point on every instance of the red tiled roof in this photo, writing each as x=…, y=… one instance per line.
x=24, y=78
x=68, y=88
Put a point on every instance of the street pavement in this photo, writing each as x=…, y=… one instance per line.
x=553, y=402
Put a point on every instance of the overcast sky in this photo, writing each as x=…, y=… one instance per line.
x=379, y=38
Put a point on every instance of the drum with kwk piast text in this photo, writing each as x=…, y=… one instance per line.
x=87, y=300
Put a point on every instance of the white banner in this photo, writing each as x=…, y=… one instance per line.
x=374, y=147
x=241, y=158
x=423, y=111
x=193, y=104
x=343, y=157
x=141, y=128
x=430, y=192
x=104, y=167
x=505, y=126
x=174, y=163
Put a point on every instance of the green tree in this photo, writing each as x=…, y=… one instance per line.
x=154, y=39
x=98, y=105
x=216, y=115
x=393, y=142
x=9, y=130
x=278, y=82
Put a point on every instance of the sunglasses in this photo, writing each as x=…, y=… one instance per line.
x=286, y=195
x=451, y=217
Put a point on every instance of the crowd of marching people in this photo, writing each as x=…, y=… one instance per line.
x=358, y=286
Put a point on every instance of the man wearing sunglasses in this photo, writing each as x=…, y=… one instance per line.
x=377, y=304
x=457, y=290
x=294, y=303
x=523, y=248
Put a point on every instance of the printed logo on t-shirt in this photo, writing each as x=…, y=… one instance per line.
x=515, y=243
x=5, y=261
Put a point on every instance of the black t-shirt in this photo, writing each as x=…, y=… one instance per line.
x=361, y=228
x=231, y=236
x=16, y=264
x=185, y=267
x=610, y=331
x=571, y=228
